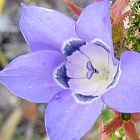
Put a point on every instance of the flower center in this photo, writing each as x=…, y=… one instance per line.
x=89, y=70
x=102, y=73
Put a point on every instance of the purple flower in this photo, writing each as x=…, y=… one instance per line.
x=73, y=69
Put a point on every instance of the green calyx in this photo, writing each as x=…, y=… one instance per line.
x=126, y=116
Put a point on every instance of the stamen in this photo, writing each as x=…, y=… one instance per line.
x=89, y=74
x=91, y=69
x=90, y=66
x=74, y=8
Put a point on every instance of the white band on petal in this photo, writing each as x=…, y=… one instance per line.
x=83, y=99
x=116, y=78
x=101, y=43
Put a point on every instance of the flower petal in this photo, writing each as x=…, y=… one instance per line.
x=45, y=29
x=125, y=97
x=68, y=120
x=94, y=22
x=31, y=76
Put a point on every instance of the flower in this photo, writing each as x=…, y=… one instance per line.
x=125, y=120
x=71, y=67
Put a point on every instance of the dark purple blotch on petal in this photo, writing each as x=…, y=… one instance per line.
x=73, y=46
x=84, y=98
x=61, y=76
x=68, y=120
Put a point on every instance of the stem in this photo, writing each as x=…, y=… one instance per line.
x=13, y=120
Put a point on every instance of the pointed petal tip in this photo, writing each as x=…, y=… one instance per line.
x=64, y=108
x=24, y=6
